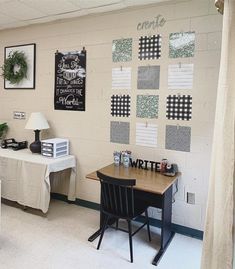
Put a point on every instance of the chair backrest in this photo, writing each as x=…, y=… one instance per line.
x=117, y=196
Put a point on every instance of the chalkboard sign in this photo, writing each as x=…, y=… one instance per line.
x=70, y=80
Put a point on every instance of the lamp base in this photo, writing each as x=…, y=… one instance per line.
x=35, y=147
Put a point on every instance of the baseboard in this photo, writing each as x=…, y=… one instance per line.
x=154, y=222
x=78, y=201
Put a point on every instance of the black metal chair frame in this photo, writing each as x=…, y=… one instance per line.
x=118, y=202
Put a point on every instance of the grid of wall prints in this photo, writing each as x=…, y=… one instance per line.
x=180, y=78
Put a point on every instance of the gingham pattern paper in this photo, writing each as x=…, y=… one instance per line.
x=150, y=47
x=179, y=107
x=120, y=105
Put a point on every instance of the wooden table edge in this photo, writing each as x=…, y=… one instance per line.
x=93, y=176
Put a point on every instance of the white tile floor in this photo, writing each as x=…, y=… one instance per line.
x=60, y=241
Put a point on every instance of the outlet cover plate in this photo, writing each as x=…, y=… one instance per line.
x=191, y=198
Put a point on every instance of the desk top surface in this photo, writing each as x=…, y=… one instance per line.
x=146, y=180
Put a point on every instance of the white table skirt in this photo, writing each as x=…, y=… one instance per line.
x=25, y=177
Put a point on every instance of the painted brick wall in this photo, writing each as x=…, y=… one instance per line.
x=89, y=131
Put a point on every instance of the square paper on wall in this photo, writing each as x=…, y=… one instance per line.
x=119, y=132
x=179, y=107
x=146, y=134
x=180, y=76
x=148, y=77
x=122, y=50
x=178, y=138
x=150, y=47
x=120, y=105
x=147, y=106
x=121, y=78
x=181, y=44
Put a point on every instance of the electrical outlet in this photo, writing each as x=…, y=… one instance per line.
x=191, y=198
x=19, y=115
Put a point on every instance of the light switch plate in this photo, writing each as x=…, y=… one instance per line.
x=19, y=115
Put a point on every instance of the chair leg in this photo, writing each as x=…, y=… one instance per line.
x=103, y=230
x=147, y=221
x=130, y=239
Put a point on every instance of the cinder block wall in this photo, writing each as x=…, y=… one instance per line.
x=89, y=131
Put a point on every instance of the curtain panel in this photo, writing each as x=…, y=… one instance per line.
x=218, y=237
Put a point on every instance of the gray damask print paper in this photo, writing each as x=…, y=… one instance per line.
x=181, y=45
x=178, y=138
x=119, y=132
x=148, y=77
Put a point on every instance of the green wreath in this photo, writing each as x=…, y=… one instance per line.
x=15, y=59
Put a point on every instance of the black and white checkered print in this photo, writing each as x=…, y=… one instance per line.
x=179, y=107
x=150, y=47
x=120, y=105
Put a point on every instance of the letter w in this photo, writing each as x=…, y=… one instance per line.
x=134, y=163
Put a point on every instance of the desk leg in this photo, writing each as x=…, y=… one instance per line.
x=166, y=233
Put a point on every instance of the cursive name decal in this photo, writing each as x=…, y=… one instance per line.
x=158, y=21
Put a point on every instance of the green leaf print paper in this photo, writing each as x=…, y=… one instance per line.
x=182, y=45
x=122, y=50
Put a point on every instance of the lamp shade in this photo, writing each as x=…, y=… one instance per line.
x=37, y=121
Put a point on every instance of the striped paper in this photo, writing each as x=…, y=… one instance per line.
x=146, y=134
x=121, y=78
x=180, y=76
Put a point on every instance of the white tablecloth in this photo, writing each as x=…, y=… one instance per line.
x=25, y=177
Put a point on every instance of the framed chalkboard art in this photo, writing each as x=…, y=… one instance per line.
x=70, y=80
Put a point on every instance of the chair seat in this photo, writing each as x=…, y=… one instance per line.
x=139, y=207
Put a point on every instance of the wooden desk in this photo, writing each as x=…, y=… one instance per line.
x=152, y=187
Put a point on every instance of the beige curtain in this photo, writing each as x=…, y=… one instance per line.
x=218, y=237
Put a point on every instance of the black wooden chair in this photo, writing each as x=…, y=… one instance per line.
x=118, y=202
